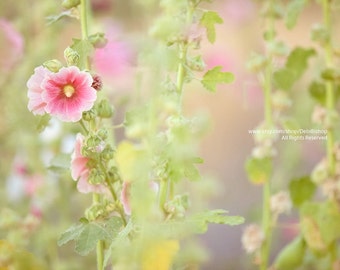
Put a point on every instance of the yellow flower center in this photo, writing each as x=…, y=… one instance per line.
x=69, y=90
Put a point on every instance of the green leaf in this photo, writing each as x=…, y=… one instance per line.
x=292, y=255
x=215, y=76
x=208, y=20
x=258, y=169
x=326, y=219
x=295, y=66
x=301, y=190
x=294, y=9
x=72, y=13
x=284, y=78
x=200, y=221
x=89, y=237
x=317, y=90
x=43, y=122
x=84, y=48
x=122, y=236
x=60, y=163
x=71, y=233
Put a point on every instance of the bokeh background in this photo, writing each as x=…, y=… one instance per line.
x=36, y=205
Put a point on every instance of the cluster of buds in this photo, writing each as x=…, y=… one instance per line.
x=280, y=203
x=329, y=182
x=324, y=118
x=264, y=140
x=252, y=238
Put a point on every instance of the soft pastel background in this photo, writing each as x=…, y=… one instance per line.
x=42, y=203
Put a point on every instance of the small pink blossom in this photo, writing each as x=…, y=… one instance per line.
x=125, y=197
x=36, y=104
x=79, y=170
x=68, y=93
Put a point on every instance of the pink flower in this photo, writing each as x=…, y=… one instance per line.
x=36, y=104
x=11, y=44
x=68, y=93
x=80, y=171
x=125, y=197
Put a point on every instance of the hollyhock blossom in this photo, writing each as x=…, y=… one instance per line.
x=79, y=170
x=36, y=104
x=68, y=93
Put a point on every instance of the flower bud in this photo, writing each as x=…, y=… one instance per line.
x=102, y=133
x=280, y=203
x=252, y=238
x=92, y=141
x=98, y=40
x=291, y=257
x=320, y=172
x=89, y=115
x=96, y=177
x=97, y=83
x=68, y=4
x=105, y=109
x=71, y=56
x=53, y=65
x=107, y=153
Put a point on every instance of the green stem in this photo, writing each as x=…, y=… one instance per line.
x=100, y=244
x=84, y=19
x=330, y=99
x=84, y=14
x=268, y=116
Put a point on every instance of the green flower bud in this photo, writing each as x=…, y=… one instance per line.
x=98, y=40
x=68, y=4
x=92, y=141
x=94, y=212
x=107, y=153
x=292, y=255
x=105, y=109
x=71, y=56
x=89, y=115
x=96, y=177
x=102, y=133
x=53, y=65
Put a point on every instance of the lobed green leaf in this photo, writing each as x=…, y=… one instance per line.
x=215, y=76
x=208, y=20
x=294, y=9
x=295, y=66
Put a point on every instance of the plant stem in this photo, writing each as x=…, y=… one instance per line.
x=330, y=99
x=100, y=244
x=266, y=212
x=330, y=105
x=84, y=4
x=84, y=12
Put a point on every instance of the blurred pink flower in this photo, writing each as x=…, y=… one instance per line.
x=32, y=184
x=238, y=11
x=79, y=170
x=124, y=197
x=12, y=44
x=114, y=61
x=68, y=93
x=36, y=104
